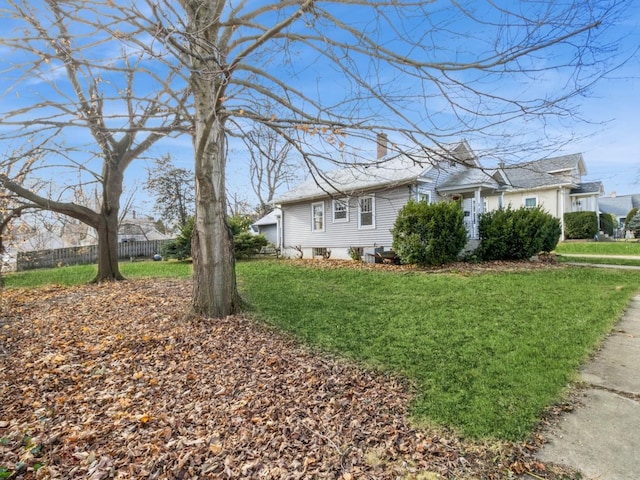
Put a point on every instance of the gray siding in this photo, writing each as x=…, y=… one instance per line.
x=269, y=231
x=297, y=223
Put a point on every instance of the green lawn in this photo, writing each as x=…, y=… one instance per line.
x=600, y=248
x=487, y=353
x=78, y=274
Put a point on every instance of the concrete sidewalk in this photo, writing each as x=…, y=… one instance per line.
x=601, y=438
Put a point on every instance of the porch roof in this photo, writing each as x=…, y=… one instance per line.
x=588, y=188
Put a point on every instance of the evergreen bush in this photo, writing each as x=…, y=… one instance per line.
x=508, y=234
x=634, y=225
x=607, y=223
x=245, y=243
x=429, y=234
x=580, y=225
x=630, y=215
x=180, y=248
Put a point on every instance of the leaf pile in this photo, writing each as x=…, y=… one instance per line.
x=111, y=381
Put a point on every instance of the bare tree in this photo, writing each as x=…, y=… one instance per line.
x=11, y=206
x=270, y=167
x=338, y=73
x=173, y=191
x=424, y=72
x=90, y=112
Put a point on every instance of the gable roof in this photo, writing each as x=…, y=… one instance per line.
x=620, y=206
x=270, y=218
x=395, y=171
x=543, y=173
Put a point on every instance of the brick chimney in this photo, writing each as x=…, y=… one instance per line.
x=382, y=145
x=613, y=194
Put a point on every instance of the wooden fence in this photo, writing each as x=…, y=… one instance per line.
x=59, y=257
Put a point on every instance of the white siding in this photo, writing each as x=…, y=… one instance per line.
x=339, y=236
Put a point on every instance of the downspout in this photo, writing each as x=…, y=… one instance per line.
x=280, y=230
x=561, y=212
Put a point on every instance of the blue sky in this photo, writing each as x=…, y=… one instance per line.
x=610, y=143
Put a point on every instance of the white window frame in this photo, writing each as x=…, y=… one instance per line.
x=373, y=212
x=313, y=218
x=423, y=197
x=524, y=202
x=334, y=204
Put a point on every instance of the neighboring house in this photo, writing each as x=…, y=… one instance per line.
x=555, y=184
x=355, y=208
x=269, y=226
x=139, y=230
x=619, y=206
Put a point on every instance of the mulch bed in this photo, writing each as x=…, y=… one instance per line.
x=113, y=381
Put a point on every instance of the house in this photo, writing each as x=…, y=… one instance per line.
x=356, y=207
x=139, y=230
x=269, y=226
x=619, y=206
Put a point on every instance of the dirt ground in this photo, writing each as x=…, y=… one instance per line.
x=111, y=381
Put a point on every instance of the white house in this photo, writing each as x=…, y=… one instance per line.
x=269, y=226
x=356, y=207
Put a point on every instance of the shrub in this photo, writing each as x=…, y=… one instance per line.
x=580, y=225
x=634, y=225
x=630, y=215
x=247, y=245
x=508, y=234
x=607, y=223
x=429, y=234
x=180, y=248
x=355, y=253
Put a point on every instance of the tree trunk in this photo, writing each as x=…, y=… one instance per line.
x=107, y=229
x=108, y=268
x=214, y=279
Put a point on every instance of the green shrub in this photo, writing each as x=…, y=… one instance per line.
x=634, y=225
x=580, y=225
x=630, y=215
x=246, y=245
x=239, y=223
x=180, y=248
x=429, y=234
x=508, y=234
x=607, y=223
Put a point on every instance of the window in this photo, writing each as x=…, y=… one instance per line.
x=317, y=217
x=366, y=212
x=531, y=202
x=424, y=197
x=320, y=252
x=341, y=210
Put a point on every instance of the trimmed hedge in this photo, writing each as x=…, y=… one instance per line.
x=580, y=225
x=508, y=234
x=429, y=234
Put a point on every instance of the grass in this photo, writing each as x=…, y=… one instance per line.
x=78, y=274
x=487, y=353
x=599, y=248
